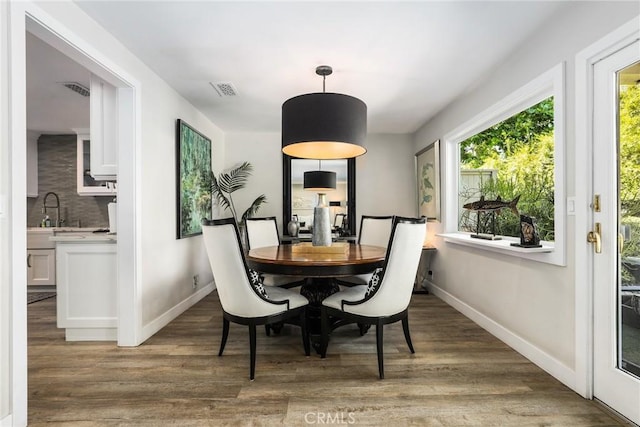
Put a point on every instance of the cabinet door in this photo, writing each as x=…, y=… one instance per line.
x=41, y=267
x=86, y=183
x=103, y=130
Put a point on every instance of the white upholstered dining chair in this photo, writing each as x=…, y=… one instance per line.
x=374, y=231
x=243, y=298
x=263, y=232
x=386, y=298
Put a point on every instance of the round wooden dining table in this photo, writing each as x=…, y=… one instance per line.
x=318, y=269
x=283, y=259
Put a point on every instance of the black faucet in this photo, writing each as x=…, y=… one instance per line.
x=56, y=207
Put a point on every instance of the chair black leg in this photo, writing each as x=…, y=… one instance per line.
x=225, y=334
x=363, y=328
x=324, y=332
x=267, y=330
x=252, y=351
x=379, y=345
x=305, y=332
x=407, y=336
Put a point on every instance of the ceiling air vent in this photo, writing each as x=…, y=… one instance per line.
x=224, y=89
x=77, y=88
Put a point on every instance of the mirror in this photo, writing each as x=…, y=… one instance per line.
x=299, y=202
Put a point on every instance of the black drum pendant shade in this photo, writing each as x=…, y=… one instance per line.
x=324, y=125
x=319, y=181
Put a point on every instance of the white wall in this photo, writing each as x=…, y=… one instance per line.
x=385, y=175
x=262, y=150
x=528, y=303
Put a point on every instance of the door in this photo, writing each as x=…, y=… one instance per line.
x=616, y=235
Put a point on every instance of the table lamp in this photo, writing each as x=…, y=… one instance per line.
x=320, y=181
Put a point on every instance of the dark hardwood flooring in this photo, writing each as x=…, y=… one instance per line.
x=460, y=375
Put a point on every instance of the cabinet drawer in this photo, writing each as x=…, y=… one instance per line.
x=39, y=239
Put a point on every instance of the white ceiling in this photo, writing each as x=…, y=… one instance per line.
x=405, y=60
x=51, y=107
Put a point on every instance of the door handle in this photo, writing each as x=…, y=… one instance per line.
x=594, y=237
x=29, y=260
x=620, y=242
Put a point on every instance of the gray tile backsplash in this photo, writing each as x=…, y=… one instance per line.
x=57, y=173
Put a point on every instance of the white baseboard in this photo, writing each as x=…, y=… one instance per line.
x=6, y=421
x=539, y=357
x=165, y=318
x=91, y=334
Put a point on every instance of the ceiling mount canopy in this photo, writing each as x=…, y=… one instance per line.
x=324, y=125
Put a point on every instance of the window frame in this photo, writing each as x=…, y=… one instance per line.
x=549, y=83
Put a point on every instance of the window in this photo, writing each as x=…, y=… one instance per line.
x=515, y=151
x=511, y=160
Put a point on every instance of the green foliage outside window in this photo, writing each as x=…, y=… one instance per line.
x=630, y=150
x=629, y=128
x=520, y=149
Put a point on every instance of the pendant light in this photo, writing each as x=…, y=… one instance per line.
x=324, y=125
x=319, y=181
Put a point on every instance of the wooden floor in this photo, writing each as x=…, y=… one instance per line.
x=460, y=375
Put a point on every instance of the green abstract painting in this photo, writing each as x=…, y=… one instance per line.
x=193, y=179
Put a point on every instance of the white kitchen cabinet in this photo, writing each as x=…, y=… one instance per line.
x=41, y=267
x=87, y=287
x=104, y=128
x=32, y=163
x=41, y=257
x=87, y=185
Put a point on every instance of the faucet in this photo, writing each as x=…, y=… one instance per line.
x=56, y=207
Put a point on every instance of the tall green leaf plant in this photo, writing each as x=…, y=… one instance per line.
x=229, y=182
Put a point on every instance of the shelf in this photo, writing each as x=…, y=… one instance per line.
x=503, y=245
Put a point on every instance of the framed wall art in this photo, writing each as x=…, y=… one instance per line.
x=193, y=173
x=428, y=181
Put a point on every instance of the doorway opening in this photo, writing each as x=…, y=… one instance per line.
x=127, y=115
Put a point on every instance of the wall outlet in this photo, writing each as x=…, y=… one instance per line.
x=196, y=281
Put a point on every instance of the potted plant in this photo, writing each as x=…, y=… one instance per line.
x=229, y=182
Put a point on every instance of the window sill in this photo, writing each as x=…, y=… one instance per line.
x=547, y=253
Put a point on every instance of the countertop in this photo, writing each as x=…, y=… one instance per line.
x=62, y=229
x=77, y=235
x=84, y=238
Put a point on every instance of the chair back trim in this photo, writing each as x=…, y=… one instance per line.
x=262, y=232
x=388, y=218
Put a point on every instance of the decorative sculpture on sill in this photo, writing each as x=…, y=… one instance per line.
x=529, y=236
x=492, y=207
